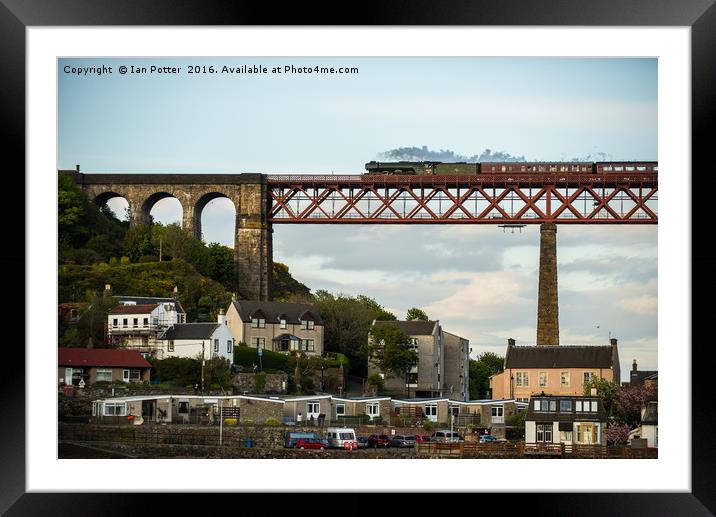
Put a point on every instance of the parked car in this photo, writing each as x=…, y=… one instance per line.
x=379, y=440
x=403, y=440
x=445, y=435
x=311, y=443
x=423, y=438
x=290, y=438
x=488, y=438
x=362, y=442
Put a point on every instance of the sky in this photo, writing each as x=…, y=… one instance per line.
x=479, y=281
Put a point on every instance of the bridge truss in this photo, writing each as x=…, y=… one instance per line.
x=606, y=198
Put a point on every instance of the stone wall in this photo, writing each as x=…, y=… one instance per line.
x=246, y=382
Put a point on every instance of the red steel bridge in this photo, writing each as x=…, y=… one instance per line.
x=628, y=197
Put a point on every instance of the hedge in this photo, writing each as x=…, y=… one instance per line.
x=247, y=356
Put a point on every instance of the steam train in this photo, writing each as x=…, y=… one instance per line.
x=457, y=168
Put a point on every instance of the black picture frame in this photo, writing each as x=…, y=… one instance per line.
x=699, y=15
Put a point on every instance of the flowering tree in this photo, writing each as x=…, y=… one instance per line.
x=631, y=400
x=617, y=433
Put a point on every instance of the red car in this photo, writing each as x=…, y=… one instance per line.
x=379, y=440
x=310, y=443
x=423, y=438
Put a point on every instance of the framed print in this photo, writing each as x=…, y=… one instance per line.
x=132, y=96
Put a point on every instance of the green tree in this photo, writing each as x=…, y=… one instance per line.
x=138, y=242
x=486, y=365
x=390, y=352
x=87, y=233
x=179, y=371
x=609, y=392
x=224, y=266
x=416, y=314
x=379, y=313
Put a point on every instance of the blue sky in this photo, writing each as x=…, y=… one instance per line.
x=542, y=109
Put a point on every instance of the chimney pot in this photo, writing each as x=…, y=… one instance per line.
x=613, y=341
x=510, y=342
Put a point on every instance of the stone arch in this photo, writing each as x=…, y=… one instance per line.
x=151, y=200
x=103, y=198
x=199, y=206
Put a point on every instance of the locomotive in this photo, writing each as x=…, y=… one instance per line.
x=427, y=168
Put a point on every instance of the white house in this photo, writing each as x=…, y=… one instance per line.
x=207, y=340
x=136, y=322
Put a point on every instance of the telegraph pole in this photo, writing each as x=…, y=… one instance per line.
x=202, y=367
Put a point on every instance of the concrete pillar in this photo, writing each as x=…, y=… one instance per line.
x=547, y=305
x=253, y=246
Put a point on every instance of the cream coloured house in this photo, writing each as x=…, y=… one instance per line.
x=276, y=326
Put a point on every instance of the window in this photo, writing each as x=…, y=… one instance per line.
x=145, y=322
x=135, y=322
x=588, y=376
x=578, y=406
x=523, y=379
x=564, y=379
x=124, y=322
x=295, y=344
x=537, y=405
x=542, y=379
x=372, y=409
x=283, y=324
x=313, y=407
x=544, y=433
x=594, y=406
x=431, y=410
x=170, y=345
x=340, y=410
x=565, y=406
x=412, y=378
x=309, y=345
x=307, y=324
x=553, y=405
x=115, y=408
x=258, y=323
x=565, y=436
x=131, y=375
x=115, y=322
x=216, y=346
x=229, y=346
x=258, y=342
x=498, y=414
x=104, y=375
x=183, y=407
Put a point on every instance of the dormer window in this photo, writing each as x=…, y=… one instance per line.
x=258, y=323
x=307, y=324
x=283, y=323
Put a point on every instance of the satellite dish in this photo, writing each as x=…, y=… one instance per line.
x=137, y=420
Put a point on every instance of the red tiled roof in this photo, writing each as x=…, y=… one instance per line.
x=101, y=357
x=134, y=309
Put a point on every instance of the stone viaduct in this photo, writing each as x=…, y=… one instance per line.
x=248, y=192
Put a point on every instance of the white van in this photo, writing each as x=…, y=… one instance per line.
x=338, y=437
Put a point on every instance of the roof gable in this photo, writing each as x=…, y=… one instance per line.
x=412, y=328
x=559, y=356
x=134, y=309
x=274, y=312
x=190, y=331
x=88, y=357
